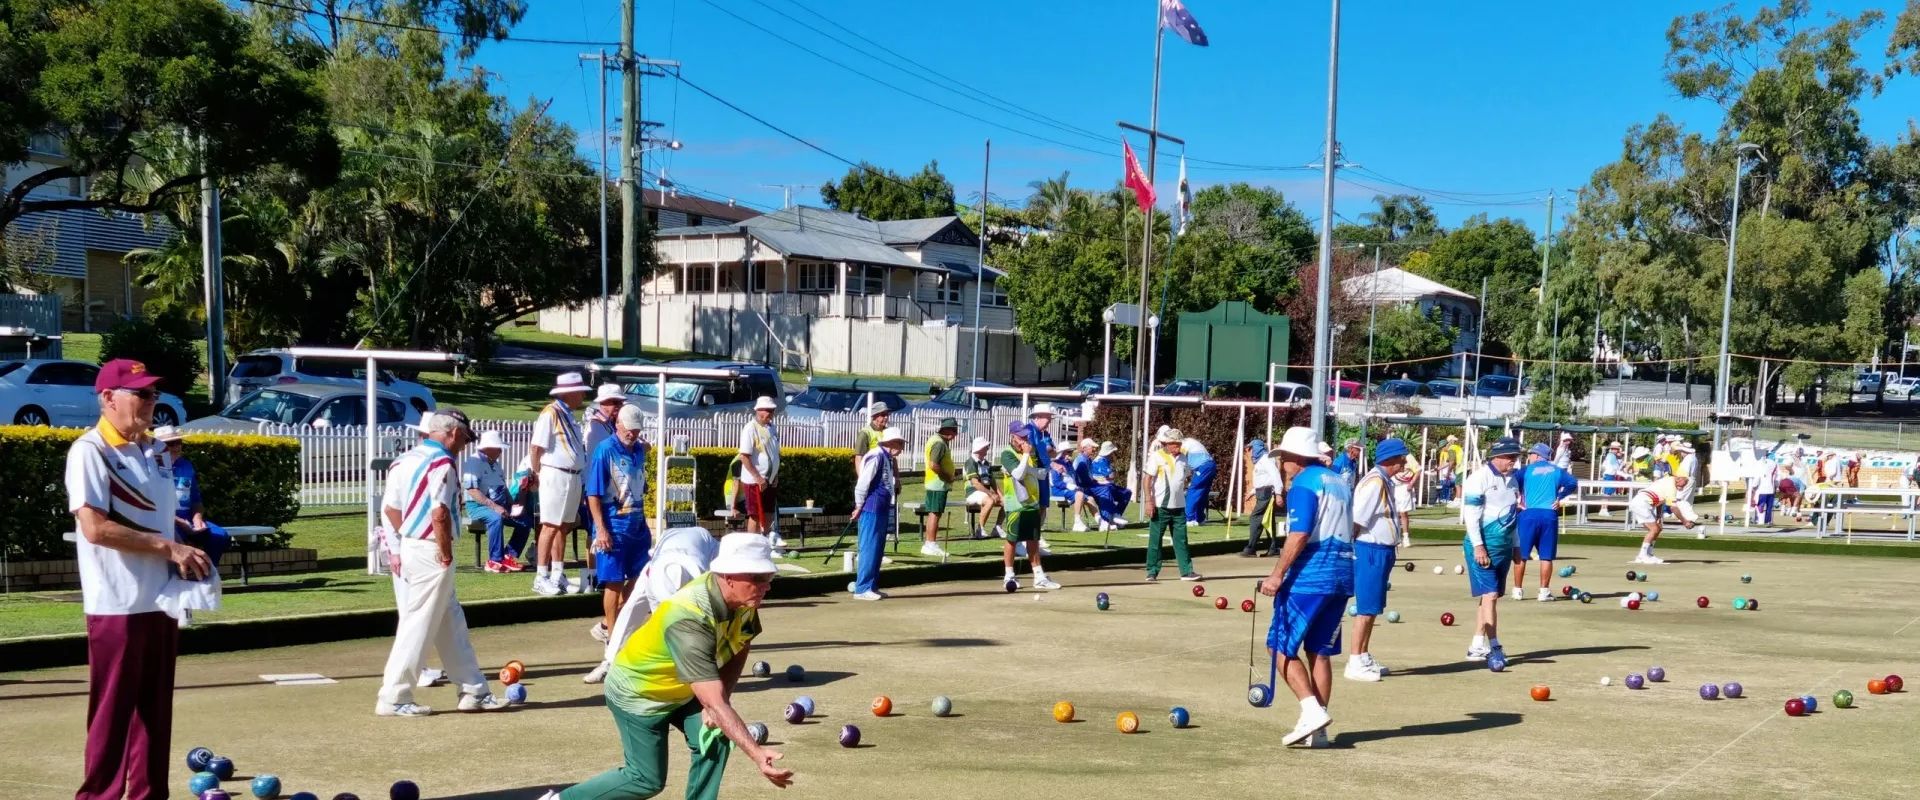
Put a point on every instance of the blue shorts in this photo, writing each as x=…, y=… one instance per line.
x=1372, y=567
x=1539, y=533
x=1307, y=620
x=1491, y=579
x=631, y=541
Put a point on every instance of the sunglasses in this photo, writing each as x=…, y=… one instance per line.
x=146, y=395
x=757, y=580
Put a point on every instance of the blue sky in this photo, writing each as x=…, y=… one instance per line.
x=1491, y=103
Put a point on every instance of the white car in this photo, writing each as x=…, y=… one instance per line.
x=1902, y=388
x=262, y=368
x=45, y=391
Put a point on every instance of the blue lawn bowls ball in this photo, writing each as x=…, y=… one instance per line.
x=805, y=702
x=201, y=781
x=265, y=787
x=1393, y=616
x=1739, y=604
x=1733, y=690
x=1011, y=586
x=1709, y=691
x=762, y=669
x=1634, y=681
x=517, y=693
x=1179, y=717
x=942, y=707
x=1746, y=579
x=794, y=713
x=1259, y=695
x=198, y=758
x=1652, y=594
x=404, y=790
x=221, y=766
x=1497, y=663
x=1657, y=674
x=795, y=674
x=303, y=796
x=1100, y=601
x=758, y=731
x=1813, y=703
x=215, y=793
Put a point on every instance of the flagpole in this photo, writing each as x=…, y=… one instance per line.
x=1323, y=326
x=1141, y=376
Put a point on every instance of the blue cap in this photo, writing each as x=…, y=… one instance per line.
x=1257, y=446
x=1390, y=448
x=1504, y=446
x=1542, y=450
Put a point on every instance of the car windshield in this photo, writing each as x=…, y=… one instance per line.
x=271, y=405
x=256, y=367
x=682, y=392
x=827, y=399
x=8, y=366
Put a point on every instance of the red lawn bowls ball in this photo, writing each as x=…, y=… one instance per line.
x=1447, y=619
x=1796, y=707
x=1894, y=683
x=1701, y=601
x=1199, y=590
x=1566, y=590
x=1633, y=605
x=1219, y=602
x=1247, y=606
x=1541, y=692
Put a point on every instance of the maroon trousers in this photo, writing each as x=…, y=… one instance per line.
x=130, y=662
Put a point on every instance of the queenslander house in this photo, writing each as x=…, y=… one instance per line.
x=810, y=287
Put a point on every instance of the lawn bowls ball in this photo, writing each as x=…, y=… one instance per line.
x=1709, y=691
x=1657, y=674
x=794, y=713
x=1701, y=601
x=1643, y=577
x=762, y=669
x=1497, y=663
x=805, y=702
x=517, y=694
x=1393, y=616
x=265, y=787
x=1011, y=586
x=198, y=758
x=1606, y=680
x=758, y=732
x=1586, y=597
x=215, y=793
x=222, y=767
x=1633, y=605
x=346, y=796
x=1895, y=683
x=1437, y=570
x=1459, y=569
x=849, y=736
x=1733, y=690
x=1446, y=620
x=1746, y=579
x=1409, y=566
x=1247, y=605
x=796, y=674
x=1101, y=601
x=1566, y=590
x=1220, y=603
x=882, y=706
x=1739, y=604
x=1843, y=699
x=1259, y=695
x=1877, y=686
x=303, y=796
x=1632, y=576
x=1127, y=722
x=1796, y=707
x=202, y=781
x=404, y=790
x=1199, y=590
x=1753, y=604
x=1812, y=703
x=1541, y=692
x=942, y=707
x=1634, y=681
x=1652, y=596
x=1063, y=712
x=1179, y=717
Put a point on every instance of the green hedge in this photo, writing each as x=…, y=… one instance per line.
x=247, y=480
x=821, y=474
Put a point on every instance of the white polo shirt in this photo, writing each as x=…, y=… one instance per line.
x=1376, y=506
x=124, y=479
x=1266, y=473
x=557, y=433
x=762, y=444
x=1170, y=477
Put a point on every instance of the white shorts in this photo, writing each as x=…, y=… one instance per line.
x=1640, y=510
x=977, y=498
x=559, y=497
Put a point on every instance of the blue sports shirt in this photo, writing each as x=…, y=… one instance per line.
x=1320, y=507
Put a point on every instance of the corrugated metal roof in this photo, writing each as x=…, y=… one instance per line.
x=829, y=235
x=1396, y=285
x=75, y=231
x=913, y=231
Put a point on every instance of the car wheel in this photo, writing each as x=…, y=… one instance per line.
x=163, y=415
x=31, y=415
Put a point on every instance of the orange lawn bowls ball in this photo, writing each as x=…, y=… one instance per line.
x=882, y=706
x=1063, y=711
x=1877, y=686
x=509, y=674
x=1128, y=722
x=1541, y=692
x=519, y=665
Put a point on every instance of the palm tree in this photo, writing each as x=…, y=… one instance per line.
x=1050, y=201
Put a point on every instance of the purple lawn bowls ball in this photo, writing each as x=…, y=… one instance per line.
x=1657, y=674
x=795, y=713
x=1709, y=691
x=1732, y=691
x=849, y=736
x=1634, y=681
x=215, y=794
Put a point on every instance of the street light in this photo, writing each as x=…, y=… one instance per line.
x=1726, y=300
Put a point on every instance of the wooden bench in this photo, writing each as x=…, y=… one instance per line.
x=245, y=539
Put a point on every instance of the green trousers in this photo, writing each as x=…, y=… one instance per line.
x=1163, y=517
x=644, y=741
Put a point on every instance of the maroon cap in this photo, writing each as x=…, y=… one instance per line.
x=124, y=373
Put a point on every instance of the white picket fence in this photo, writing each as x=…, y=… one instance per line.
x=332, y=460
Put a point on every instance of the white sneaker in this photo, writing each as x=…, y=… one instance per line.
x=777, y=541
x=1080, y=526
x=563, y=586
x=1478, y=652
x=1546, y=595
x=1320, y=740
x=1648, y=558
x=1603, y=513
x=932, y=550
x=1191, y=577
x=598, y=674
x=482, y=702
x=401, y=710
x=430, y=677
x=598, y=632
x=545, y=588
x=1518, y=593
x=1045, y=583
x=1360, y=668
x=1310, y=721
x=869, y=595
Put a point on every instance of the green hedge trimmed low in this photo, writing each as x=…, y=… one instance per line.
x=821, y=474
x=246, y=480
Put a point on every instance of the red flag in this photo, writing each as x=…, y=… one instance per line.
x=1137, y=180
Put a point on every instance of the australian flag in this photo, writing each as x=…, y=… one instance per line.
x=1174, y=16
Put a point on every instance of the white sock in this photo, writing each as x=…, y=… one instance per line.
x=543, y=572
x=1039, y=574
x=1009, y=574
x=1310, y=705
x=1479, y=641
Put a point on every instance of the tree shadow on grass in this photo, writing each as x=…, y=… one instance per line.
x=1476, y=721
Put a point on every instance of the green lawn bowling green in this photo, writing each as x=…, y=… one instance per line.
x=1827, y=623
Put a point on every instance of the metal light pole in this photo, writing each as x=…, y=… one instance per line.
x=1373, y=317
x=1726, y=299
x=606, y=311
x=1323, y=296
x=980, y=281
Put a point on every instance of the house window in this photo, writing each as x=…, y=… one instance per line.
x=991, y=296
x=759, y=273
x=946, y=291
x=873, y=280
x=693, y=220
x=815, y=276
x=699, y=279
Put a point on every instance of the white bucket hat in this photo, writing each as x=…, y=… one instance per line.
x=490, y=440
x=765, y=402
x=169, y=433
x=609, y=391
x=569, y=383
x=892, y=434
x=877, y=409
x=980, y=444
x=1299, y=442
x=1108, y=448
x=1169, y=435
x=743, y=554
x=1039, y=409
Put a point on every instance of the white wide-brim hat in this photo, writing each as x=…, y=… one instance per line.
x=743, y=554
x=765, y=403
x=1108, y=448
x=169, y=433
x=490, y=440
x=892, y=434
x=569, y=383
x=1299, y=442
x=609, y=391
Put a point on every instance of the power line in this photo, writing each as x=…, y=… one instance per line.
x=311, y=11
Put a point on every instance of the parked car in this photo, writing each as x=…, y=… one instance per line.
x=1868, y=382
x=957, y=398
x=1289, y=392
x=1444, y=387
x=1351, y=390
x=262, y=368
x=1902, y=388
x=47, y=391
x=1092, y=385
x=705, y=397
x=1496, y=386
x=815, y=401
x=1402, y=390
x=318, y=405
